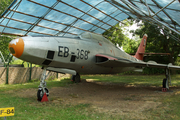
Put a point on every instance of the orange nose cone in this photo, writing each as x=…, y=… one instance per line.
x=16, y=47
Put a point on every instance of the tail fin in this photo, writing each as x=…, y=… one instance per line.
x=141, y=50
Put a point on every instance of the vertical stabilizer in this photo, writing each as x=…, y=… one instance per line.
x=141, y=49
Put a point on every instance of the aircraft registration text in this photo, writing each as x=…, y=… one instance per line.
x=64, y=52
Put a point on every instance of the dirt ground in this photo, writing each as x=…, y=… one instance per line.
x=109, y=98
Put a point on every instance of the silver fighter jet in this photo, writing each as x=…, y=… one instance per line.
x=89, y=53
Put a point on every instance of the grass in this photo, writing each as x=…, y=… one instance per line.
x=29, y=109
x=137, y=80
x=54, y=83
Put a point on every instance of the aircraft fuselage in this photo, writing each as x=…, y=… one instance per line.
x=89, y=53
x=71, y=53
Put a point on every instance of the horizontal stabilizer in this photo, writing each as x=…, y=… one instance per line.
x=154, y=53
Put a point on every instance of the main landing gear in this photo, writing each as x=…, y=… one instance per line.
x=42, y=90
x=76, y=78
x=166, y=80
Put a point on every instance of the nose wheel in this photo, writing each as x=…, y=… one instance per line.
x=40, y=93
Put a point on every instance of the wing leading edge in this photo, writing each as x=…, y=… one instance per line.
x=110, y=61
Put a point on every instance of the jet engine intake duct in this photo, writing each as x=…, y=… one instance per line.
x=101, y=59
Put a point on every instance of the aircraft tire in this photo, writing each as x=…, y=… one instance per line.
x=40, y=93
x=164, y=83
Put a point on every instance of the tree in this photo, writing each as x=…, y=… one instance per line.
x=4, y=4
x=130, y=46
x=4, y=39
x=116, y=35
x=159, y=43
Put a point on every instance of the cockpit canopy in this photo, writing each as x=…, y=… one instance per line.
x=92, y=36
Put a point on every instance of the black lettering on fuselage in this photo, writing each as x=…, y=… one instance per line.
x=81, y=54
x=60, y=51
x=66, y=51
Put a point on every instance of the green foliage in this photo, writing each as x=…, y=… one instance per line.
x=130, y=46
x=177, y=61
x=115, y=34
x=4, y=4
x=15, y=62
x=151, y=71
x=158, y=59
x=4, y=40
x=20, y=62
x=157, y=42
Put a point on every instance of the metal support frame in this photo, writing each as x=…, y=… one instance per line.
x=30, y=71
x=163, y=8
x=148, y=8
x=168, y=78
x=132, y=7
x=57, y=75
x=9, y=13
x=66, y=13
x=6, y=65
x=128, y=8
x=42, y=85
x=2, y=57
x=40, y=18
x=7, y=69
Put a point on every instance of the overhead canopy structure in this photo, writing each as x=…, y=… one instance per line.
x=72, y=17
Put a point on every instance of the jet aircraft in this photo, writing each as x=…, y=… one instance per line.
x=88, y=53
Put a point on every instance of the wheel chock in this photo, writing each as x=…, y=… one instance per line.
x=45, y=98
x=164, y=89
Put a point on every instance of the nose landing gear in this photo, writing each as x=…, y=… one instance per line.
x=43, y=92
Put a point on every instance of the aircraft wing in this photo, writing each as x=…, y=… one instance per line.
x=110, y=61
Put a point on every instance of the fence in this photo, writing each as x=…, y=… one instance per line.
x=22, y=75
